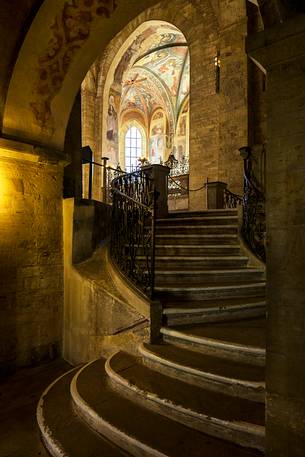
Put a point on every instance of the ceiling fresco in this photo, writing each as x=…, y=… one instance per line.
x=155, y=71
x=140, y=91
x=166, y=64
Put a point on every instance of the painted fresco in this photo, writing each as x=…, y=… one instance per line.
x=152, y=37
x=185, y=82
x=154, y=78
x=140, y=91
x=167, y=64
x=112, y=127
x=181, y=140
x=157, y=139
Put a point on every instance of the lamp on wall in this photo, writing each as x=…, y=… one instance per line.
x=217, y=72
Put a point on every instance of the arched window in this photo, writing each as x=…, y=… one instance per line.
x=133, y=148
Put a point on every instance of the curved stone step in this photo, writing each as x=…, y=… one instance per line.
x=63, y=433
x=206, y=212
x=237, y=420
x=193, y=262
x=242, y=341
x=197, y=229
x=137, y=429
x=199, y=220
x=197, y=250
x=220, y=375
x=221, y=310
x=202, y=239
x=185, y=292
x=203, y=276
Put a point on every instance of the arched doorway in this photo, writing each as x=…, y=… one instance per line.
x=148, y=84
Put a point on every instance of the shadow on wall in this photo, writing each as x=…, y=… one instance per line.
x=91, y=228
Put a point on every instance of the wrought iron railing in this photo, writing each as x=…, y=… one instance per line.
x=253, y=200
x=133, y=228
x=254, y=218
x=231, y=200
x=178, y=186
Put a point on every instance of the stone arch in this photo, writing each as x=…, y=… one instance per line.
x=64, y=39
x=194, y=19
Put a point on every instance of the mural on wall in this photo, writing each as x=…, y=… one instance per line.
x=157, y=138
x=152, y=37
x=112, y=128
x=141, y=92
x=184, y=88
x=167, y=64
x=68, y=33
x=181, y=140
x=152, y=78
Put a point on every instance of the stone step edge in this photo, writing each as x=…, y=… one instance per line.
x=199, y=235
x=252, y=435
x=252, y=385
x=196, y=258
x=96, y=422
x=52, y=445
x=209, y=272
x=197, y=218
x=208, y=288
x=214, y=309
x=217, y=344
x=196, y=246
x=197, y=226
x=216, y=210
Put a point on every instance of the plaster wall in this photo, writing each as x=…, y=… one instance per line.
x=31, y=264
x=97, y=318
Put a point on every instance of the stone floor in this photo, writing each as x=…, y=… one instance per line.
x=19, y=395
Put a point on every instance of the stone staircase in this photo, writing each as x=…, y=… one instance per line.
x=200, y=390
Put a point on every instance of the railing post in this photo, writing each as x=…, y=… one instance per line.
x=215, y=194
x=159, y=174
x=104, y=179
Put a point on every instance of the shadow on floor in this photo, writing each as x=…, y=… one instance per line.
x=19, y=395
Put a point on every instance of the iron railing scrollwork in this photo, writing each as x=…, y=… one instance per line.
x=133, y=228
x=231, y=200
x=253, y=201
x=254, y=218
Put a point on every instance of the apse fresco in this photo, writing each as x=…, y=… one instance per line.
x=141, y=91
x=112, y=127
x=157, y=142
x=132, y=99
x=184, y=88
x=151, y=38
x=153, y=77
x=181, y=140
x=167, y=64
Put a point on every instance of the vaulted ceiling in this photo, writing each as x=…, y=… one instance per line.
x=158, y=74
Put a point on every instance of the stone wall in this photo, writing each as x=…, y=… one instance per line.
x=233, y=112
x=281, y=51
x=31, y=280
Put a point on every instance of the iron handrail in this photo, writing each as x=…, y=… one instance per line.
x=133, y=228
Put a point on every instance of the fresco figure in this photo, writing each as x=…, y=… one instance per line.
x=112, y=120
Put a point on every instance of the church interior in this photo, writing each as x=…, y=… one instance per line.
x=152, y=159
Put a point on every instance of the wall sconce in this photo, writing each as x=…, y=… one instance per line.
x=217, y=72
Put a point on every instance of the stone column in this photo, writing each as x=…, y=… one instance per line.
x=215, y=194
x=281, y=50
